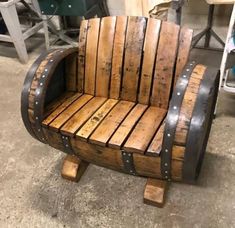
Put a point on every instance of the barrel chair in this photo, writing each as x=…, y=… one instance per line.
x=126, y=99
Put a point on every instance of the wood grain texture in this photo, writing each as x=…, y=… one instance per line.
x=127, y=125
x=133, y=54
x=60, y=109
x=96, y=119
x=105, y=51
x=58, y=122
x=73, y=168
x=81, y=55
x=109, y=125
x=185, y=41
x=118, y=54
x=80, y=117
x=155, y=147
x=155, y=191
x=188, y=103
x=112, y=158
x=165, y=61
x=91, y=55
x=71, y=72
x=144, y=131
x=150, y=49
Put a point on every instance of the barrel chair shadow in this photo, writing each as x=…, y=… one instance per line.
x=126, y=99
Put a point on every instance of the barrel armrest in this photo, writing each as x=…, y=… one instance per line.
x=189, y=119
x=42, y=86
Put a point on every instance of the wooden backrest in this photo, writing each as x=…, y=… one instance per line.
x=131, y=58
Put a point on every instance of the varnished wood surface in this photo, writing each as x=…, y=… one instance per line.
x=118, y=55
x=82, y=55
x=104, y=59
x=96, y=119
x=133, y=53
x=91, y=55
x=145, y=130
x=149, y=56
x=164, y=68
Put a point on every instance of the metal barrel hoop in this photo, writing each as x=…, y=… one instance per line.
x=128, y=163
x=172, y=120
x=200, y=125
x=26, y=91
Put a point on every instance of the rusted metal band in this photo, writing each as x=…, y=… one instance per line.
x=200, y=125
x=25, y=93
x=67, y=145
x=128, y=163
x=172, y=120
x=41, y=91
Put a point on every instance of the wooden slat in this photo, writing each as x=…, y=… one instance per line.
x=96, y=119
x=82, y=116
x=71, y=72
x=145, y=130
x=133, y=53
x=105, y=50
x=183, y=50
x=105, y=130
x=60, y=109
x=117, y=61
x=155, y=147
x=127, y=125
x=91, y=55
x=81, y=55
x=67, y=113
x=188, y=103
x=150, y=48
x=166, y=57
x=56, y=103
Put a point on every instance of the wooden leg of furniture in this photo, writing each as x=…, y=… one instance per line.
x=73, y=168
x=154, y=193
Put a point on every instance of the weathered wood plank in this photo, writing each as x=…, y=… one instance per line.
x=188, y=103
x=96, y=119
x=133, y=54
x=109, y=125
x=81, y=55
x=91, y=55
x=105, y=51
x=155, y=147
x=165, y=61
x=80, y=117
x=127, y=125
x=145, y=130
x=60, y=109
x=73, y=168
x=71, y=72
x=155, y=191
x=183, y=50
x=117, y=60
x=150, y=49
x=58, y=122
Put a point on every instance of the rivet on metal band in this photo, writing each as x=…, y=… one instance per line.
x=67, y=145
x=129, y=166
x=172, y=120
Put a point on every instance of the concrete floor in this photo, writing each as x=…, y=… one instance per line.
x=32, y=193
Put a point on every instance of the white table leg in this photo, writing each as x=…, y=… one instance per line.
x=11, y=20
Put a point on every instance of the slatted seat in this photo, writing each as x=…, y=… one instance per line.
x=107, y=122
x=125, y=99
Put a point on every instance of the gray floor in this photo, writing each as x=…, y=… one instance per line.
x=32, y=193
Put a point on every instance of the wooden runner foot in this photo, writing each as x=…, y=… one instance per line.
x=154, y=193
x=73, y=168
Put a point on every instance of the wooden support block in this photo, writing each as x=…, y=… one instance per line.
x=73, y=168
x=154, y=193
